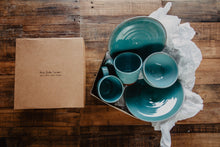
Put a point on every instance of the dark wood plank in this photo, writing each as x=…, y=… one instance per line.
x=40, y=7
x=34, y=22
x=144, y=135
x=10, y=132
x=119, y=136
x=7, y=50
x=7, y=91
x=11, y=32
x=118, y=8
x=195, y=10
x=45, y=141
x=196, y=139
x=7, y=68
x=196, y=128
x=39, y=118
x=105, y=115
x=36, y=19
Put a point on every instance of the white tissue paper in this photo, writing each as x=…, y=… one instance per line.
x=188, y=57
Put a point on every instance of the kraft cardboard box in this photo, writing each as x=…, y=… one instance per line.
x=49, y=73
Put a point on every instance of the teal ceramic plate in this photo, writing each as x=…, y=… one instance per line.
x=153, y=104
x=143, y=35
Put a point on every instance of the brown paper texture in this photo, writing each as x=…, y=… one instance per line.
x=49, y=73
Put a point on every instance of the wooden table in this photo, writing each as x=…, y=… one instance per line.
x=97, y=124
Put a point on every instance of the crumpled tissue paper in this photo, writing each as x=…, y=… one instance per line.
x=188, y=57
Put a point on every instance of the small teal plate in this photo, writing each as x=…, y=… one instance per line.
x=143, y=35
x=153, y=104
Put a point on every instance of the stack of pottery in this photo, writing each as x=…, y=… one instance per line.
x=136, y=50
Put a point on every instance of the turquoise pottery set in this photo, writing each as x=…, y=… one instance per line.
x=135, y=47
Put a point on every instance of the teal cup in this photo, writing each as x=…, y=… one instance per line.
x=160, y=70
x=127, y=67
x=110, y=88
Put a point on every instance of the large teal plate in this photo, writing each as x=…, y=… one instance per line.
x=143, y=35
x=153, y=104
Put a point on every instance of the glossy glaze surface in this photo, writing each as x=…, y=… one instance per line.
x=143, y=35
x=128, y=66
x=153, y=104
x=110, y=89
x=160, y=70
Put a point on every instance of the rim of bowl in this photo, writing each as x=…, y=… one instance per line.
x=145, y=76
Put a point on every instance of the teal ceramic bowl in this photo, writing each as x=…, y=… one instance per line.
x=153, y=104
x=160, y=70
x=143, y=35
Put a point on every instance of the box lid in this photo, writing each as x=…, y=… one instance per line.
x=49, y=73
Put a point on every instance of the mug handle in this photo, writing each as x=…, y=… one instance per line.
x=109, y=62
x=105, y=71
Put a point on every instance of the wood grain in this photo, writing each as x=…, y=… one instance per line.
x=104, y=115
x=196, y=139
x=39, y=118
x=210, y=48
x=118, y=8
x=207, y=67
x=98, y=124
x=36, y=141
x=97, y=35
x=39, y=131
x=119, y=136
x=145, y=136
x=99, y=28
x=195, y=10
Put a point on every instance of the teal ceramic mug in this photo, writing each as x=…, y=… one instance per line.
x=127, y=67
x=110, y=88
x=160, y=70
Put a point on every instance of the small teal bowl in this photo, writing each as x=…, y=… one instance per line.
x=160, y=70
x=153, y=104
